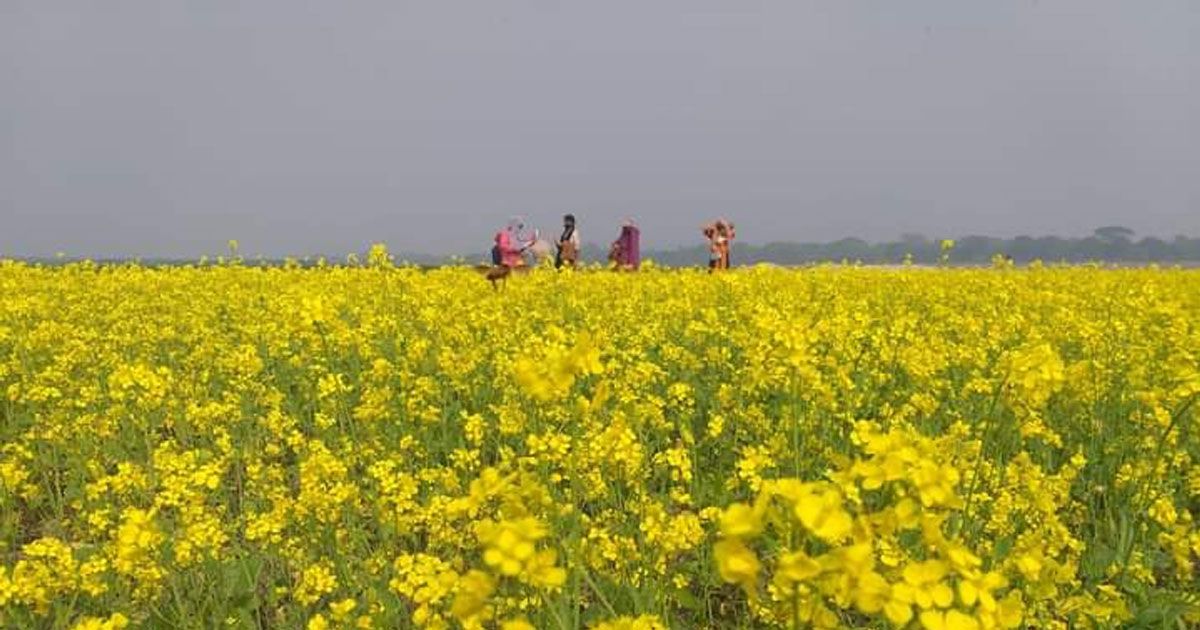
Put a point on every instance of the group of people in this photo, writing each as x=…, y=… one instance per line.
x=513, y=243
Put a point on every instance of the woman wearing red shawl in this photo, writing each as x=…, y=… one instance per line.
x=626, y=250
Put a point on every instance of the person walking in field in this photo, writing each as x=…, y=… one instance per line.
x=625, y=253
x=714, y=250
x=720, y=236
x=507, y=252
x=725, y=235
x=568, y=244
x=714, y=255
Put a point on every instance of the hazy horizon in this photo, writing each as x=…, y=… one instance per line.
x=164, y=129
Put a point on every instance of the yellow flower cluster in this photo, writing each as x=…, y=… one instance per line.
x=370, y=445
x=877, y=539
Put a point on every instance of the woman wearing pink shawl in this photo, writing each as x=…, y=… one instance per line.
x=509, y=247
x=505, y=253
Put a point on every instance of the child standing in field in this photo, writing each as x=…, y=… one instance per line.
x=614, y=255
x=714, y=251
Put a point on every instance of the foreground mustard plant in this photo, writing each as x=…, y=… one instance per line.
x=380, y=447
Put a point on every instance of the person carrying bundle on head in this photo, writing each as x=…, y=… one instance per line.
x=724, y=241
x=719, y=234
x=714, y=251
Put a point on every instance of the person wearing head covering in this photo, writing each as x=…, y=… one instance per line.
x=568, y=244
x=509, y=245
x=540, y=248
x=720, y=241
x=626, y=250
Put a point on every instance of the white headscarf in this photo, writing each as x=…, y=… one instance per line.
x=516, y=231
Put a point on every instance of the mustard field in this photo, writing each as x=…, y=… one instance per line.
x=366, y=446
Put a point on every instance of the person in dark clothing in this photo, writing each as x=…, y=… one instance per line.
x=568, y=244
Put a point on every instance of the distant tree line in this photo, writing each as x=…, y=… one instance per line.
x=1108, y=244
x=1111, y=244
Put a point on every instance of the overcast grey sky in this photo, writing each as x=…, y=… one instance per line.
x=161, y=127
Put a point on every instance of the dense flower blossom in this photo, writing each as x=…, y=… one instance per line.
x=335, y=446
